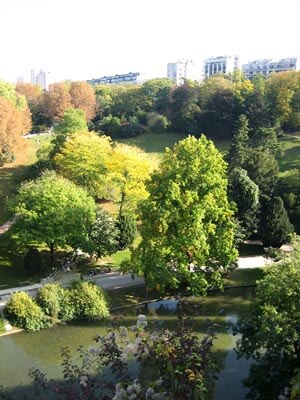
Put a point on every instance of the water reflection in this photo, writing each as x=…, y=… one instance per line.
x=42, y=349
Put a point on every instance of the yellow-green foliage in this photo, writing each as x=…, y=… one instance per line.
x=89, y=302
x=23, y=312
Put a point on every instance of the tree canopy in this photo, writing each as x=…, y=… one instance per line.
x=83, y=159
x=187, y=231
x=54, y=211
x=270, y=330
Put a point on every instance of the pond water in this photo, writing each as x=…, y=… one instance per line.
x=22, y=351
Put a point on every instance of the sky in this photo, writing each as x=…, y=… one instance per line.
x=85, y=39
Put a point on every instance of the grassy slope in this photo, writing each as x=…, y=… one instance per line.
x=291, y=155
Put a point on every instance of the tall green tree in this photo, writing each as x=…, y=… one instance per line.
x=245, y=193
x=54, y=211
x=187, y=227
x=103, y=234
x=275, y=226
x=239, y=146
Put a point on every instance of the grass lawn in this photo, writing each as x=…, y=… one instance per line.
x=156, y=143
x=291, y=148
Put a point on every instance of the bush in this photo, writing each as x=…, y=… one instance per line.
x=67, y=310
x=22, y=311
x=89, y=302
x=157, y=123
x=33, y=261
x=127, y=230
x=49, y=297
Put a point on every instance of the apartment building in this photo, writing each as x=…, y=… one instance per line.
x=267, y=66
x=221, y=65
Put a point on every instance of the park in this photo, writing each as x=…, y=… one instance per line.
x=138, y=213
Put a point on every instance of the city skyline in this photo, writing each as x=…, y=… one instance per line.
x=84, y=40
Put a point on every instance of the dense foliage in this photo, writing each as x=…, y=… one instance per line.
x=54, y=211
x=103, y=235
x=270, y=331
x=88, y=301
x=126, y=225
x=22, y=311
x=187, y=226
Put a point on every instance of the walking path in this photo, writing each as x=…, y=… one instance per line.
x=5, y=227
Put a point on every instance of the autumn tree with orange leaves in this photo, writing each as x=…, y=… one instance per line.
x=83, y=97
x=15, y=120
x=56, y=101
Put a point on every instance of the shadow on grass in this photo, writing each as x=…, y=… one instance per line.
x=10, y=179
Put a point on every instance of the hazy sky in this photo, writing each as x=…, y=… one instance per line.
x=84, y=39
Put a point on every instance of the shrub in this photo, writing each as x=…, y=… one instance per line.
x=89, y=302
x=49, y=298
x=127, y=230
x=157, y=123
x=33, y=260
x=67, y=310
x=23, y=312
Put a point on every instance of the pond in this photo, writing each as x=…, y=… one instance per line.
x=22, y=351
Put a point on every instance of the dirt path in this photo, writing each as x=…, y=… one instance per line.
x=5, y=227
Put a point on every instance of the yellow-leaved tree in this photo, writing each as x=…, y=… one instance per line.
x=129, y=167
x=83, y=159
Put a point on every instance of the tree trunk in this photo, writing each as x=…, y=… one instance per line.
x=52, y=249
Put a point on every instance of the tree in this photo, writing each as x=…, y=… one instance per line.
x=73, y=121
x=262, y=168
x=14, y=121
x=103, y=234
x=83, y=159
x=56, y=101
x=288, y=188
x=281, y=89
x=275, y=228
x=187, y=226
x=155, y=95
x=238, y=149
x=126, y=225
x=83, y=98
x=184, y=107
x=157, y=123
x=270, y=331
x=54, y=211
x=266, y=140
x=245, y=193
x=129, y=167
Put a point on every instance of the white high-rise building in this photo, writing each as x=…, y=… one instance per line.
x=267, y=66
x=221, y=65
x=41, y=79
x=181, y=70
x=32, y=77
